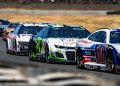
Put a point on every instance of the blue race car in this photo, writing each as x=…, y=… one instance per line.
x=100, y=51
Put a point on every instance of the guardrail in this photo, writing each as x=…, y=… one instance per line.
x=52, y=12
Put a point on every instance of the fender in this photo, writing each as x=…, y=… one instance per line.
x=39, y=45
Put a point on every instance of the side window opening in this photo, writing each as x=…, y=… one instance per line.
x=98, y=37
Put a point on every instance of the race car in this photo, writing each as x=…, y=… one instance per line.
x=11, y=27
x=18, y=40
x=3, y=24
x=56, y=43
x=100, y=50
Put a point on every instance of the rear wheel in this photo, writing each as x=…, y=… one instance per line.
x=110, y=61
x=8, y=51
x=79, y=60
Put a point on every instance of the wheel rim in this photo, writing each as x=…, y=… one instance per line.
x=110, y=64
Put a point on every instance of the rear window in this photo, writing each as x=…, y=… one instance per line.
x=69, y=32
x=29, y=30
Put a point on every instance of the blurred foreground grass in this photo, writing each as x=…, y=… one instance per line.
x=91, y=22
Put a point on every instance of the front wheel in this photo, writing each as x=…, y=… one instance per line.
x=47, y=54
x=30, y=55
x=17, y=53
x=79, y=60
x=110, y=62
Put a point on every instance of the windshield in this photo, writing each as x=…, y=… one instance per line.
x=29, y=30
x=68, y=32
x=115, y=37
x=78, y=32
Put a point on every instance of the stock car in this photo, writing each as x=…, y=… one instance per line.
x=100, y=50
x=18, y=40
x=3, y=24
x=56, y=43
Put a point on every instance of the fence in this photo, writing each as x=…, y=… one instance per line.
x=64, y=1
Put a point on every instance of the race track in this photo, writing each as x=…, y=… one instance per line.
x=42, y=67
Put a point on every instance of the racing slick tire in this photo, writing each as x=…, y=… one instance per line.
x=31, y=48
x=30, y=51
x=47, y=54
x=30, y=55
x=110, y=61
x=17, y=53
x=79, y=59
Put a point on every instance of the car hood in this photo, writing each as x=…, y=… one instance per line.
x=68, y=42
x=24, y=37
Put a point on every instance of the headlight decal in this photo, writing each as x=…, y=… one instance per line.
x=64, y=47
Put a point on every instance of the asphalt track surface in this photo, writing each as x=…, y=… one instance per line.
x=42, y=67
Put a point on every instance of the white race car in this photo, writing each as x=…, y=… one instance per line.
x=18, y=40
x=100, y=51
x=56, y=43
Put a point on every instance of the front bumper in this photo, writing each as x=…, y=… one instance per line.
x=95, y=66
x=62, y=55
x=23, y=48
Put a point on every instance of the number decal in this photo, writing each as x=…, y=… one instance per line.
x=100, y=54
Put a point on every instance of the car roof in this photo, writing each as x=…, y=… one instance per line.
x=115, y=29
x=81, y=27
x=43, y=24
x=109, y=29
x=30, y=24
x=56, y=25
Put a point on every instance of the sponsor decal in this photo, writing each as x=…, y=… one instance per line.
x=68, y=41
x=10, y=36
x=86, y=42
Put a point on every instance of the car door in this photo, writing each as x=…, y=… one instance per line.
x=9, y=42
x=99, y=40
x=44, y=40
x=13, y=39
x=41, y=41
